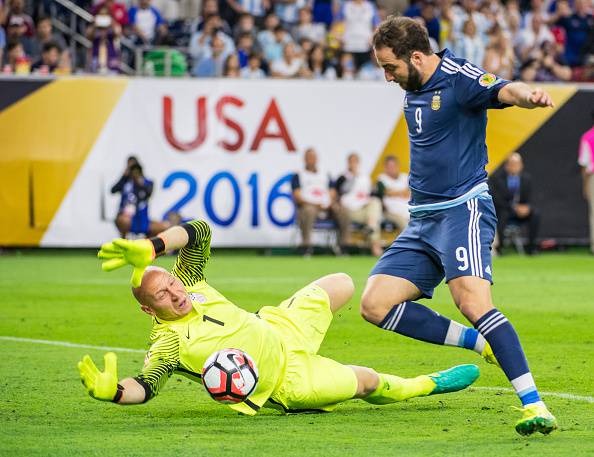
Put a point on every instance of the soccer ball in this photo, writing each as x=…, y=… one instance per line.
x=230, y=376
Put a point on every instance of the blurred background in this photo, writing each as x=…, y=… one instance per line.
x=271, y=120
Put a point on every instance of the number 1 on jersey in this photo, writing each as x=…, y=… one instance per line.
x=419, y=119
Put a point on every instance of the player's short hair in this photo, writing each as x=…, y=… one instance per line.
x=391, y=158
x=403, y=36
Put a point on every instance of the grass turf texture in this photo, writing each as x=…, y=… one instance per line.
x=45, y=411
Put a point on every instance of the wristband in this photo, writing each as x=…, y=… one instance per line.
x=158, y=245
x=118, y=395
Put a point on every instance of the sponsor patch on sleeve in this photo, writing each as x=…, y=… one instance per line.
x=488, y=79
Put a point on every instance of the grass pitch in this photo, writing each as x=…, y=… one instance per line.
x=65, y=297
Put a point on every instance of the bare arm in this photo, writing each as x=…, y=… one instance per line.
x=133, y=393
x=522, y=95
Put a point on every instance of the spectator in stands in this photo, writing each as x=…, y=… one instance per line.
x=104, y=54
x=50, y=59
x=533, y=36
x=426, y=11
x=200, y=43
x=360, y=19
x=45, y=34
x=245, y=48
x=370, y=71
x=289, y=66
x=288, y=11
x=209, y=8
x=16, y=61
x=346, y=66
x=15, y=31
x=253, y=69
x=305, y=45
x=315, y=198
x=499, y=56
x=392, y=188
x=324, y=11
x=354, y=190
x=16, y=9
x=546, y=65
x=538, y=7
x=265, y=37
x=512, y=195
x=145, y=20
x=256, y=8
x=169, y=9
x=211, y=64
x=469, y=44
x=318, y=66
x=577, y=26
x=245, y=25
x=586, y=162
x=117, y=11
x=231, y=68
x=305, y=28
x=273, y=50
x=460, y=15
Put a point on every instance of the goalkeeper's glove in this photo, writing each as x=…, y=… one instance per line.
x=101, y=385
x=119, y=252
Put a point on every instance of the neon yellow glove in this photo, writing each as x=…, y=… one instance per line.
x=101, y=385
x=119, y=252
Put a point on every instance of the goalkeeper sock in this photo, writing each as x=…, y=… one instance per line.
x=421, y=323
x=392, y=389
x=506, y=346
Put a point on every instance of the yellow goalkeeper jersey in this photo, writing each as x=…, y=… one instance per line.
x=183, y=345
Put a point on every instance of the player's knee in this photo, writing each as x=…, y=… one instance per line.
x=371, y=309
x=339, y=287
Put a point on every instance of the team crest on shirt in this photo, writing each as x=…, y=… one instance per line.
x=436, y=101
x=197, y=297
x=487, y=79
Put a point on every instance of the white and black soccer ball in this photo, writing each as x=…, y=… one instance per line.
x=230, y=376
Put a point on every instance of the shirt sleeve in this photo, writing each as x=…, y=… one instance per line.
x=192, y=259
x=160, y=363
x=476, y=89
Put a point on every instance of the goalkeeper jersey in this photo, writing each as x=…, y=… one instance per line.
x=183, y=345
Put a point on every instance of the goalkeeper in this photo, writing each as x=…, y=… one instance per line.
x=192, y=320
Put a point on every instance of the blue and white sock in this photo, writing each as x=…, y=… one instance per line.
x=421, y=323
x=506, y=346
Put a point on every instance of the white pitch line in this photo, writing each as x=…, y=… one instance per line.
x=564, y=395
x=546, y=394
x=69, y=345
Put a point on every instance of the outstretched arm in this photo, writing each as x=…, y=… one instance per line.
x=160, y=363
x=193, y=239
x=522, y=95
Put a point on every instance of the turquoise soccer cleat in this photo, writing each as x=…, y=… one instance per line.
x=454, y=379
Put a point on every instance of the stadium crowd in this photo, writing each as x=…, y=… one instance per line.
x=535, y=40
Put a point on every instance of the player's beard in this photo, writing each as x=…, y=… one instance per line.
x=414, y=81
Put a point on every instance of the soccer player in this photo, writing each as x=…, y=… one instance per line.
x=192, y=320
x=452, y=216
